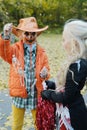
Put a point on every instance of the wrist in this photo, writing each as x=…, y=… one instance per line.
x=7, y=37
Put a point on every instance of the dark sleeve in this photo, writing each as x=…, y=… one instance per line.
x=50, y=84
x=66, y=97
x=74, y=76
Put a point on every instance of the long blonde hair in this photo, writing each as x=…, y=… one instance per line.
x=77, y=33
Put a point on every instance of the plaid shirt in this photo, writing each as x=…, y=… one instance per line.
x=29, y=58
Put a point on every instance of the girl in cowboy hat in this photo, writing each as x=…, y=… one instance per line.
x=73, y=75
x=28, y=67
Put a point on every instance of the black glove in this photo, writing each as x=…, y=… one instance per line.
x=46, y=94
x=50, y=84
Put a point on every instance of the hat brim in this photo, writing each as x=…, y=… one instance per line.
x=15, y=30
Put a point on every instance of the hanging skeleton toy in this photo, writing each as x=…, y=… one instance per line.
x=18, y=69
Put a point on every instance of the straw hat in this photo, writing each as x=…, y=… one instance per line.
x=28, y=25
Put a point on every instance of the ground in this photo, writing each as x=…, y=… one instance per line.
x=5, y=113
x=56, y=56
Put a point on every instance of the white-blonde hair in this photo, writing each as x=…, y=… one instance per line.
x=76, y=30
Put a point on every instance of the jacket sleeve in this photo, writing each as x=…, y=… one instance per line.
x=6, y=50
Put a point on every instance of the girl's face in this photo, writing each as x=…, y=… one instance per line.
x=66, y=42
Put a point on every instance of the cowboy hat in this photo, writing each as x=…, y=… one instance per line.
x=27, y=25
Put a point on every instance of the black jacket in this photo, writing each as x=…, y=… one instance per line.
x=72, y=97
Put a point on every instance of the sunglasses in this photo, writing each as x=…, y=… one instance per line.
x=30, y=33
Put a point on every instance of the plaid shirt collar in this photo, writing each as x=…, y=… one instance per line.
x=27, y=46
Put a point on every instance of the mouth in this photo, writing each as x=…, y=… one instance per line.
x=30, y=41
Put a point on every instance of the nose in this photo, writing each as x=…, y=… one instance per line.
x=30, y=36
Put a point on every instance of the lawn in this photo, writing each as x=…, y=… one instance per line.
x=56, y=55
x=53, y=47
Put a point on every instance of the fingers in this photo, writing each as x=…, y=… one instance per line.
x=7, y=29
x=44, y=72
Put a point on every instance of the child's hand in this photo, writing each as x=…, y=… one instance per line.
x=50, y=84
x=7, y=30
x=44, y=73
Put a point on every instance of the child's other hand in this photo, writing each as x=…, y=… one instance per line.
x=44, y=73
x=50, y=84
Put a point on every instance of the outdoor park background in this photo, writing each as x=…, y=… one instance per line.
x=53, y=13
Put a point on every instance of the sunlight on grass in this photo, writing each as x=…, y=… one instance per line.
x=52, y=44
x=28, y=122
x=56, y=55
x=53, y=47
x=4, y=74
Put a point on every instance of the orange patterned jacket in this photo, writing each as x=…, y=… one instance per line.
x=6, y=53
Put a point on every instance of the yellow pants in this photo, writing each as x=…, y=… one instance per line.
x=18, y=117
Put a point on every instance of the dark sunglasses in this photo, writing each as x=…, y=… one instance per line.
x=30, y=33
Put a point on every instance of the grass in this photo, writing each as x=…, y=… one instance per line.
x=52, y=44
x=53, y=47
x=56, y=56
